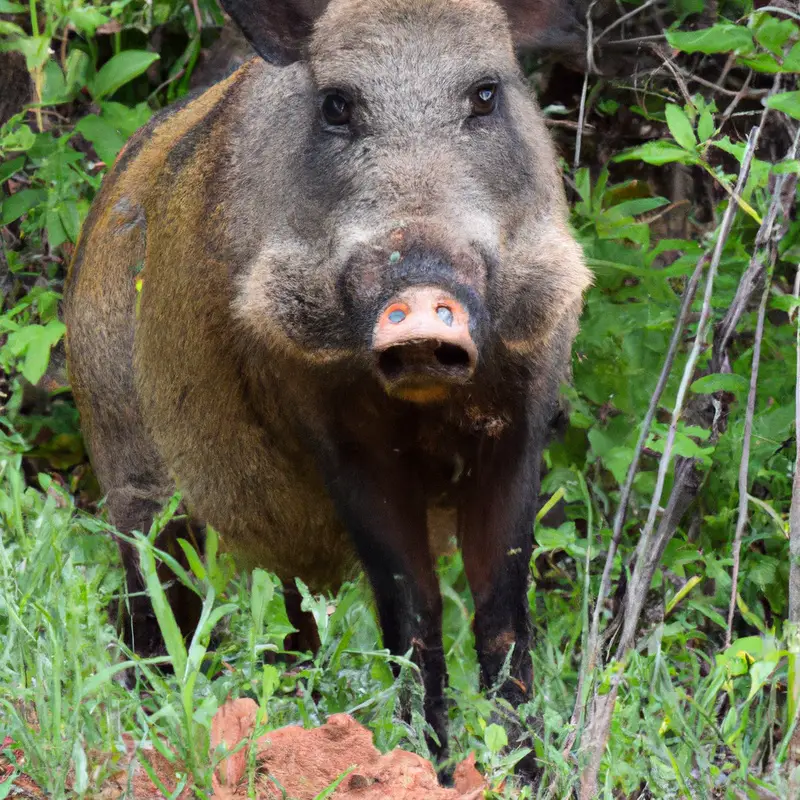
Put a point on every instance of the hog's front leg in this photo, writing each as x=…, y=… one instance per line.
x=380, y=500
x=497, y=520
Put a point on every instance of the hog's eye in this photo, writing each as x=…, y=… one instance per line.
x=336, y=108
x=484, y=99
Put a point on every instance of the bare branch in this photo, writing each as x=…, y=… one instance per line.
x=619, y=518
x=744, y=463
x=590, y=67
x=624, y=18
x=794, y=513
x=764, y=238
x=650, y=544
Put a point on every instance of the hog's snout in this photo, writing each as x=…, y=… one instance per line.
x=422, y=344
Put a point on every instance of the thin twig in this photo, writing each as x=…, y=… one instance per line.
x=744, y=462
x=589, y=68
x=740, y=95
x=198, y=17
x=764, y=238
x=794, y=512
x=625, y=493
x=654, y=37
x=676, y=73
x=599, y=724
x=751, y=94
x=624, y=18
x=632, y=612
x=779, y=10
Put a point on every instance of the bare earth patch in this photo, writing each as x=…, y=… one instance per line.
x=294, y=763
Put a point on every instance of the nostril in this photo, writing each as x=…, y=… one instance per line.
x=445, y=314
x=451, y=355
x=390, y=362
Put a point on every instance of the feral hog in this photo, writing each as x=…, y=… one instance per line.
x=358, y=298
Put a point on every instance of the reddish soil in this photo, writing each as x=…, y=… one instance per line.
x=300, y=762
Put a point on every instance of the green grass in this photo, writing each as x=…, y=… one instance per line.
x=685, y=724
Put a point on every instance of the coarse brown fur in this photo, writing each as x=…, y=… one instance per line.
x=264, y=246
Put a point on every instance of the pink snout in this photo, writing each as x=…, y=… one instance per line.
x=422, y=345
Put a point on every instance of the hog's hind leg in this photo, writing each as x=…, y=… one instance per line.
x=131, y=509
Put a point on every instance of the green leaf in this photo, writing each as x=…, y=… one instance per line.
x=125, y=119
x=20, y=203
x=71, y=219
x=632, y=208
x=788, y=102
x=680, y=127
x=759, y=672
x=10, y=167
x=36, y=341
x=761, y=62
x=721, y=38
x=495, y=737
x=17, y=140
x=77, y=72
x=193, y=559
x=9, y=29
x=658, y=153
x=36, y=50
x=719, y=382
x=173, y=639
x=56, y=235
x=705, y=125
x=119, y=70
x=773, y=33
x=105, y=138
x=86, y=19
x=55, y=87
x=7, y=7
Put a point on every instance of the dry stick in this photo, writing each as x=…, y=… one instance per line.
x=763, y=237
x=592, y=648
x=744, y=463
x=599, y=725
x=198, y=17
x=632, y=619
x=589, y=68
x=794, y=559
x=624, y=18
x=794, y=512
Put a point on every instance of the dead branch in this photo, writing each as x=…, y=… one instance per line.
x=651, y=543
x=792, y=628
x=765, y=238
x=794, y=513
x=744, y=463
x=624, y=18
x=593, y=644
x=590, y=67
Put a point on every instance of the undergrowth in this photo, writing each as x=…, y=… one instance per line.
x=695, y=717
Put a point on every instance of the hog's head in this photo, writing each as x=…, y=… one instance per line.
x=400, y=203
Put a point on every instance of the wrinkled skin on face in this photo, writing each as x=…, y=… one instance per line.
x=358, y=299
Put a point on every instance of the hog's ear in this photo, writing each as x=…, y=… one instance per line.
x=547, y=25
x=276, y=29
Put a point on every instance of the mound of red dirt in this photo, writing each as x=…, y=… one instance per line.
x=290, y=762
x=304, y=762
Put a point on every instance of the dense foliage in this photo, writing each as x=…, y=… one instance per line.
x=702, y=710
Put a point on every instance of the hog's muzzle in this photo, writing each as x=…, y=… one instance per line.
x=422, y=345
